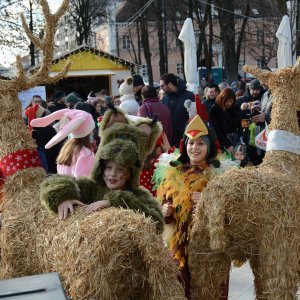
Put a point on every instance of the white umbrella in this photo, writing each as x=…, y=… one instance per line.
x=187, y=36
x=284, y=52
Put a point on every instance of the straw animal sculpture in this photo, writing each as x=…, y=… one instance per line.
x=112, y=254
x=254, y=213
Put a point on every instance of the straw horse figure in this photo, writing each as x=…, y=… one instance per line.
x=254, y=213
x=113, y=254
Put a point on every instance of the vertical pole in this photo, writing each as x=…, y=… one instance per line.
x=165, y=35
x=31, y=46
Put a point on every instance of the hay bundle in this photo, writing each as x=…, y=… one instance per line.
x=254, y=213
x=112, y=254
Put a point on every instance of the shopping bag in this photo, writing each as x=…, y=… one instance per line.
x=262, y=138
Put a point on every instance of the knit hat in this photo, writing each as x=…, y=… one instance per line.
x=126, y=88
x=254, y=84
x=137, y=80
x=92, y=98
x=76, y=122
x=33, y=112
x=58, y=95
x=72, y=98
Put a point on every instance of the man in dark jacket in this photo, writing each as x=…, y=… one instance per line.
x=138, y=84
x=175, y=95
x=254, y=93
x=58, y=102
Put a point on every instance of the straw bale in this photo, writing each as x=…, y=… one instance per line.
x=111, y=254
x=254, y=213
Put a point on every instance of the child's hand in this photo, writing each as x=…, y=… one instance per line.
x=167, y=209
x=195, y=198
x=97, y=206
x=66, y=206
x=165, y=145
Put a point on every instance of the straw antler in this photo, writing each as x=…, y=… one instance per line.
x=24, y=81
x=262, y=75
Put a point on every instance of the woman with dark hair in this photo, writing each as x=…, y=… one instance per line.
x=225, y=119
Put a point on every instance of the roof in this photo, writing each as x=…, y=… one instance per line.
x=117, y=61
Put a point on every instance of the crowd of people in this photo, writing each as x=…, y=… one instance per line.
x=235, y=114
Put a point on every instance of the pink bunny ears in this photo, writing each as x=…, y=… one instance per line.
x=78, y=123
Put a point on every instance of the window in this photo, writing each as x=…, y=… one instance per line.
x=144, y=70
x=259, y=35
x=179, y=68
x=125, y=42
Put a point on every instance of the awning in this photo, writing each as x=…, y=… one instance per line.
x=80, y=73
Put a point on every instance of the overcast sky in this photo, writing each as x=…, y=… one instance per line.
x=7, y=54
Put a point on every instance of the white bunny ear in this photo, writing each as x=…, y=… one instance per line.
x=42, y=122
x=63, y=133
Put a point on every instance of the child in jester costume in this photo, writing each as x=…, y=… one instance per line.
x=179, y=188
x=114, y=179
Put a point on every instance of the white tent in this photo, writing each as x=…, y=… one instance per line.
x=187, y=36
x=284, y=52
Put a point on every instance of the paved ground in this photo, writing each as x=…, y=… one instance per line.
x=241, y=284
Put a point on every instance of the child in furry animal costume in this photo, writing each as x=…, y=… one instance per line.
x=123, y=145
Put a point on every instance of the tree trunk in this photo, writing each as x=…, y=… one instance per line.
x=147, y=51
x=227, y=28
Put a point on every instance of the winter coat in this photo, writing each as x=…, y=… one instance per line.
x=153, y=107
x=179, y=114
x=81, y=167
x=129, y=105
x=224, y=123
x=245, y=114
x=42, y=135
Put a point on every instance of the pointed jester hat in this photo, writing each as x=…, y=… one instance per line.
x=126, y=142
x=198, y=129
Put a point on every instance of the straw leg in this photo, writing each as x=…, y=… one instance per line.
x=254, y=263
x=279, y=267
x=210, y=276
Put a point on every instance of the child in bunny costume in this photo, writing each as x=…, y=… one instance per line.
x=123, y=143
x=76, y=157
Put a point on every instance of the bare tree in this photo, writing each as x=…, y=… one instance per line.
x=85, y=15
x=231, y=39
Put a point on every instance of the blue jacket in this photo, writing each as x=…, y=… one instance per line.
x=179, y=114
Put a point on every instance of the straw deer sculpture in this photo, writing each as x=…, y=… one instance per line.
x=254, y=213
x=112, y=254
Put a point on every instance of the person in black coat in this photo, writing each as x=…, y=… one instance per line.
x=175, y=96
x=226, y=120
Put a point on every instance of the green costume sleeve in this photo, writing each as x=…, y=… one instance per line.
x=140, y=201
x=59, y=188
